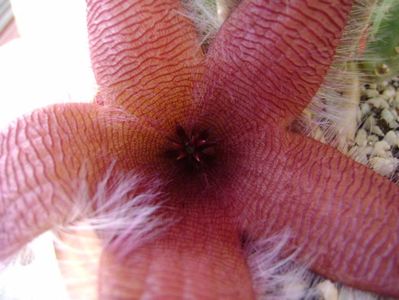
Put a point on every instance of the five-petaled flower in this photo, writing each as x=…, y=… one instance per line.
x=214, y=131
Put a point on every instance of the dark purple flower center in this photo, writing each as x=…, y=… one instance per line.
x=193, y=151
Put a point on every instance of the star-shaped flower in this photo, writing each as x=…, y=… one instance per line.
x=215, y=133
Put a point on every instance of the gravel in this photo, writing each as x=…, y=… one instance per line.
x=377, y=138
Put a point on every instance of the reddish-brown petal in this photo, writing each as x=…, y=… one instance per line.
x=145, y=56
x=50, y=156
x=200, y=257
x=343, y=216
x=270, y=58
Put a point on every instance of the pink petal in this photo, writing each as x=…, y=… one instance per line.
x=145, y=57
x=343, y=216
x=199, y=258
x=270, y=58
x=51, y=158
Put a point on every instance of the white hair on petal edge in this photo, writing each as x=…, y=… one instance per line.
x=331, y=117
x=123, y=214
x=275, y=277
x=208, y=16
x=204, y=16
x=121, y=210
x=124, y=211
x=332, y=114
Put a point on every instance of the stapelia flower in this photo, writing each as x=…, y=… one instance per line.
x=215, y=132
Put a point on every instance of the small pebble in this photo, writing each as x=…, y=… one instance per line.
x=378, y=102
x=365, y=108
x=395, y=114
x=377, y=130
x=384, y=166
x=389, y=92
x=372, y=139
x=391, y=138
x=388, y=117
x=365, y=150
x=396, y=101
x=361, y=138
x=368, y=150
x=370, y=122
x=372, y=93
x=381, y=148
x=328, y=290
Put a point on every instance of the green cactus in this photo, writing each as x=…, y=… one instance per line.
x=381, y=58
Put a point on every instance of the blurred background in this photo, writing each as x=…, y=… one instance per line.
x=44, y=59
x=44, y=56
x=8, y=28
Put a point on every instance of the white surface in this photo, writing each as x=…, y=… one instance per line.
x=50, y=62
x=38, y=279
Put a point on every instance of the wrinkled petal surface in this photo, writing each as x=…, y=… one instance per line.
x=199, y=258
x=269, y=59
x=265, y=66
x=145, y=57
x=343, y=216
x=49, y=158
